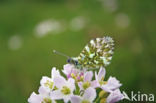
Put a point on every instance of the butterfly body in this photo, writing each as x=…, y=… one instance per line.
x=97, y=53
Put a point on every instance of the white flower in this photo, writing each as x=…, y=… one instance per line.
x=42, y=97
x=50, y=26
x=15, y=42
x=47, y=82
x=87, y=81
x=78, y=23
x=64, y=90
x=115, y=96
x=111, y=85
x=88, y=96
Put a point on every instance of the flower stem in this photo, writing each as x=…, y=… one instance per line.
x=97, y=99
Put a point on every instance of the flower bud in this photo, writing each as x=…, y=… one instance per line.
x=103, y=100
x=103, y=94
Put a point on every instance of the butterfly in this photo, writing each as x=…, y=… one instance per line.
x=98, y=52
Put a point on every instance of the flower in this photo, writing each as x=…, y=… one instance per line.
x=42, y=97
x=47, y=82
x=111, y=85
x=115, y=96
x=87, y=81
x=49, y=26
x=88, y=96
x=47, y=85
x=78, y=23
x=100, y=77
x=71, y=72
x=58, y=88
x=64, y=89
x=68, y=69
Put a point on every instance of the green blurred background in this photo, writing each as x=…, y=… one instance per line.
x=31, y=29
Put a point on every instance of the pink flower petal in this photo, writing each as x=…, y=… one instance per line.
x=56, y=95
x=101, y=73
x=80, y=85
x=113, y=83
x=88, y=76
x=75, y=99
x=59, y=81
x=90, y=94
x=67, y=69
x=44, y=91
x=34, y=98
x=71, y=84
x=95, y=84
x=115, y=96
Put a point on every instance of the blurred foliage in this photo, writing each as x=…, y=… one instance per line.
x=131, y=23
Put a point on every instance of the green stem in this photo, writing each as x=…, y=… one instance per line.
x=97, y=99
x=77, y=89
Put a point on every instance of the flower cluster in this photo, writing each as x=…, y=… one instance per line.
x=78, y=86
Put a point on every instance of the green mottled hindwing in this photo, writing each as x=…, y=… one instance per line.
x=97, y=53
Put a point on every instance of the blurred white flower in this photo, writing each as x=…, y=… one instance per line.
x=88, y=96
x=78, y=23
x=64, y=89
x=15, y=42
x=42, y=97
x=110, y=5
x=122, y=20
x=47, y=27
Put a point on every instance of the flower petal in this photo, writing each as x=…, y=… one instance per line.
x=76, y=99
x=115, y=96
x=67, y=69
x=101, y=73
x=106, y=88
x=71, y=84
x=54, y=73
x=88, y=76
x=56, y=95
x=113, y=83
x=96, y=76
x=95, y=84
x=44, y=80
x=67, y=98
x=34, y=98
x=89, y=94
x=59, y=81
x=80, y=85
x=44, y=91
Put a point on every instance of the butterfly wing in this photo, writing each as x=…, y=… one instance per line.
x=97, y=53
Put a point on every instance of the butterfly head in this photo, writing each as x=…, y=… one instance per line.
x=72, y=61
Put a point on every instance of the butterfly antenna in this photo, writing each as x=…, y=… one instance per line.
x=59, y=53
